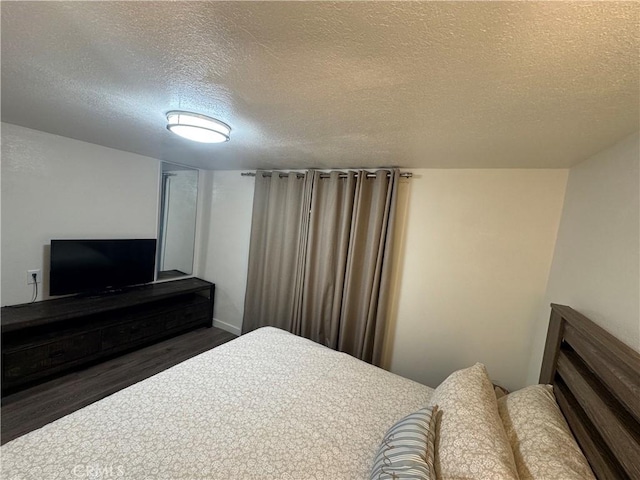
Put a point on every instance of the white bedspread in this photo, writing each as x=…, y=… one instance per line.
x=266, y=405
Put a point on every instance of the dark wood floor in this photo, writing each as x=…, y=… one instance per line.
x=32, y=408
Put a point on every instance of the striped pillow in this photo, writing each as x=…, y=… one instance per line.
x=407, y=449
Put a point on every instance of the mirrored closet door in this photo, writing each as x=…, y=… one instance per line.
x=177, y=225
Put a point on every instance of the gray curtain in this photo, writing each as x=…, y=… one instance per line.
x=347, y=274
x=339, y=292
x=277, y=251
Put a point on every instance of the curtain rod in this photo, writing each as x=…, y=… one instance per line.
x=322, y=175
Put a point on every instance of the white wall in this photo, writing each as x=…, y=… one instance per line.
x=596, y=266
x=56, y=187
x=475, y=256
x=225, y=232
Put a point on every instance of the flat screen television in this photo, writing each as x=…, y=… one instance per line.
x=92, y=266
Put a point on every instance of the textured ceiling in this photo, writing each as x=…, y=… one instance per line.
x=412, y=84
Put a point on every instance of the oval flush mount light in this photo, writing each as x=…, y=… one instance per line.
x=198, y=128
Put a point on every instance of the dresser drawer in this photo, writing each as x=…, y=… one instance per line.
x=189, y=316
x=131, y=332
x=32, y=360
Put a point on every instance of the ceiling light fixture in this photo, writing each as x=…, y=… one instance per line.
x=198, y=128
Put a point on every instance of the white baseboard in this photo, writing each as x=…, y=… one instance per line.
x=226, y=326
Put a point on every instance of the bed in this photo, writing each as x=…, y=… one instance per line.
x=272, y=405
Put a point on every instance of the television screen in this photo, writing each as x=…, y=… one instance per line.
x=80, y=266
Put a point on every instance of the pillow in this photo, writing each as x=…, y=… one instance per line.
x=470, y=440
x=407, y=448
x=542, y=443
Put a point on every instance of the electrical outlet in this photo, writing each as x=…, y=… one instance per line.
x=30, y=273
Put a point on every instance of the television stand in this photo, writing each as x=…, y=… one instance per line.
x=45, y=339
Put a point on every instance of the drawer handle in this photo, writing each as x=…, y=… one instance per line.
x=56, y=354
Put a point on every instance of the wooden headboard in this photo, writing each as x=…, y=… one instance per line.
x=596, y=380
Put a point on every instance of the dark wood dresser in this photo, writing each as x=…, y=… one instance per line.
x=44, y=339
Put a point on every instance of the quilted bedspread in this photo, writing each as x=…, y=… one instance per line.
x=268, y=405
